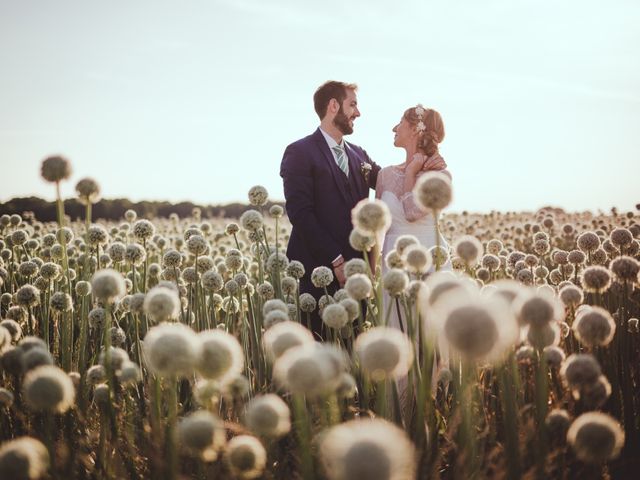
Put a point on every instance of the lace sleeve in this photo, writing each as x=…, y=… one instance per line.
x=412, y=211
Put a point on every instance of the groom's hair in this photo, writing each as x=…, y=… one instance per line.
x=329, y=90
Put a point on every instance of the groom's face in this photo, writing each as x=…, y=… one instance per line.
x=347, y=113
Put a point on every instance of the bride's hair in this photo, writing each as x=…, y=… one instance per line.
x=432, y=133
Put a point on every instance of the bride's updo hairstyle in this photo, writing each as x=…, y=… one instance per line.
x=429, y=124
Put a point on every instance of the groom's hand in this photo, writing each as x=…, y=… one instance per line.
x=338, y=270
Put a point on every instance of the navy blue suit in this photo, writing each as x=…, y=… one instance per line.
x=319, y=199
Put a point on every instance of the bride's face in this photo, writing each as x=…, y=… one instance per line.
x=405, y=134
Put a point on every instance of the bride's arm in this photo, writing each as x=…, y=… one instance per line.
x=417, y=167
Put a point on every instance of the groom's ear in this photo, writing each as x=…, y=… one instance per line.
x=334, y=106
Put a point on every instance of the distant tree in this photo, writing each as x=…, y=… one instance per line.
x=113, y=209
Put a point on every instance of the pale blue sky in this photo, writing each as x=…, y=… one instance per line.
x=196, y=100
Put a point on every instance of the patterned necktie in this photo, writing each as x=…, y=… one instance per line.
x=341, y=159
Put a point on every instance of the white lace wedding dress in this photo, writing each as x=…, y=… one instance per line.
x=406, y=219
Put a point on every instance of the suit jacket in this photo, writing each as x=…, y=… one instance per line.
x=319, y=199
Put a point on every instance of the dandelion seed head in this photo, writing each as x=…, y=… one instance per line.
x=620, y=237
x=355, y=266
x=88, y=191
x=417, y=259
x=358, y=286
x=352, y=307
x=593, y=395
x=172, y=349
x=309, y=369
x=276, y=316
x=265, y=290
x=197, y=245
x=295, y=269
x=61, y=302
x=96, y=374
x=335, y=316
x=162, y=304
x=596, y=279
x=28, y=296
x=251, y=220
x=268, y=416
x=576, y=257
x=108, y=285
x=580, y=369
x=395, y=281
x=246, y=457
x=542, y=336
x=258, y=195
x=371, y=216
x=24, y=458
x=373, y=449
x=554, y=355
x=97, y=236
x=283, y=336
x=433, y=191
x=13, y=328
x=538, y=308
x=143, y=229
x=36, y=357
x=625, y=269
x=557, y=422
x=361, y=241
x=571, y=295
x=212, y=281
x=277, y=262
x=321, y=277
x=118, y=357
x=202, y=435
x=384, y=353
x=29, y=342
x=595, y=437
x=394, y=260
x=469, y=249
x=221, y=356
x=307, y=302
x=55, y=169
x=48, y=388
x=561, y=257
x=594, y=326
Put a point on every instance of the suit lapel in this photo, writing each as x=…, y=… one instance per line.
x=338, y=175
x=355, y=175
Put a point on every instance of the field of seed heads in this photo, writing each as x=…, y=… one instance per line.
x=180, y=348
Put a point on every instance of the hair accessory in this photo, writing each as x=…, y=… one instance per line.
x=419, y=110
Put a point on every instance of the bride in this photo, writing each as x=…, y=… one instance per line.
x=419, y=132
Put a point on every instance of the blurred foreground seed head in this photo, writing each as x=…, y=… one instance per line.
x=268, y=416
x=246, y=457
x=202, y=435
x=373, y=449
x=172, y=349
x=24, y=458
x=384, y=353
x=595, y=437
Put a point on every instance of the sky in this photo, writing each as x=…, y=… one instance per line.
x=197, y=100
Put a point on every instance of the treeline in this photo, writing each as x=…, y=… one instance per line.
x=114, y=209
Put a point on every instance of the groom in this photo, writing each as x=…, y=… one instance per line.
x=324, y=177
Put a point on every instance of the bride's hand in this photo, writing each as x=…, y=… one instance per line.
x=416, y=164
x=434, y=163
